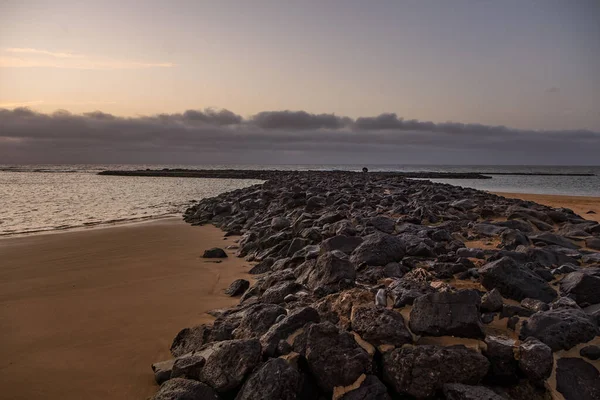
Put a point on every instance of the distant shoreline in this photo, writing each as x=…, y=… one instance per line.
x=267, y=174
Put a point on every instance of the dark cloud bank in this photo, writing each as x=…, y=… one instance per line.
x=279, y=137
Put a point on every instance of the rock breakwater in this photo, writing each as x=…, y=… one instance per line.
x=368, y=287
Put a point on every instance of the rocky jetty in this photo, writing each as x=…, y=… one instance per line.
x=372, y=286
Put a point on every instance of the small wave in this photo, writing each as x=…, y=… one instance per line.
x=85, y=225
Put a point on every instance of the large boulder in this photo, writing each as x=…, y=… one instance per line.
x=334, y=357
x=560, y=329
x=548, y=238
x=447, y=314
x=162, y=371
x=257, y=322
x=577, y=379
x=379, y=249
x=514, y=281
x=535, y=360
x=289, y=325
x=503, y=365
x=380, y=326
x=275, y=379
x=343, y=243
x=420, y=371
x=185, y=389
x=383, y=224
x=583, y=286
x=190, y=339
x=229, y=362
x=332, y=272
x=276, y=293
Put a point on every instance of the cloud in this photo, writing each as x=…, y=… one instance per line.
x=39, y=58
x=298, y=120
x=221, y=136
x=42, y=52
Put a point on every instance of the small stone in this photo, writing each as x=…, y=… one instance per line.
x=215, y=252
x=237, y=287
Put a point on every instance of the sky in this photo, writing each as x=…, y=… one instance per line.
x=300, y=81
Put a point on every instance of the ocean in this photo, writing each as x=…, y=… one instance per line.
x=41, y=198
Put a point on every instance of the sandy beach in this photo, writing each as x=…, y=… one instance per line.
x=579, y=204
x=85, y=313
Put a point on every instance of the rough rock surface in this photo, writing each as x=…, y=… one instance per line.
x=535, y=360
x=422, y=370
x=380, y=326
x=447, y=314
x=237, y=287
x=515, y=282
x=334, y=358
x=560, y=329
x=214, y=253
x=185, y=389
x=459, y=391
x=229, y=362
x=275, y=379
x=379, y=249
x=577, y=379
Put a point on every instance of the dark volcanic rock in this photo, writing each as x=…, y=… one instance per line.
x=577, y=379
x=229, y=362
x=185, y=389
x=458, y=391
x=190, y=339
x=332, y=272
x=276, y=293
x=378, y=325
x=590, y=352
x=503, y=365
x=257, y=321
x=287, y=326
x=583, y=286
x=343, y=243
x=378, y=249
x=491, y=301
x=561, y=329
x=237, y=287
x=535, y=360
x=551, y=238
x=371, y=389
x=447, y=314
x=162, y=371
x=275, y=379
x=334, y=358
x=514, y=281
x=188, y=366
x=215, y=252
x=383, y=224
x=422, y=370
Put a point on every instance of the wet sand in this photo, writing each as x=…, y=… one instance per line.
x=579, y=204
x=84, y=314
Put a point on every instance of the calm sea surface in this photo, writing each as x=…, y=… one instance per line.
x=37, y=198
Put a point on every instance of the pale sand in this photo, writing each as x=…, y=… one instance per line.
x=84, y=314
x=579, y=204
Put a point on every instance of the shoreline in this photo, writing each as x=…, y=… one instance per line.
x=101, y=305
x=579, y=204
